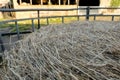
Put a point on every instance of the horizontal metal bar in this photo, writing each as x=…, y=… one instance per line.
x=102, y=15
x=14, y=33
x=104, y=7
x=51, y=9
x=13, y=20
x=2, y=22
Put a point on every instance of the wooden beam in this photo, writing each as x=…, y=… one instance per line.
x=30, y=2
x=41, y=2
x=20, y=1
x=59, y=2
x=49, y=2
x=68, y=2
x=76, y=1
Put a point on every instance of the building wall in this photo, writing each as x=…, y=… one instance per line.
x=1, y=15
x=103, y=3
x=3, y=3
x=44, y=13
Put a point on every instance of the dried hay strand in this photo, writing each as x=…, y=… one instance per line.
x=74, y=51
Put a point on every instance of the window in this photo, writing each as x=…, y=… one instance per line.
x=89, y=2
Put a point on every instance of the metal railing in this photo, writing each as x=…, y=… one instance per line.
x=18, y=32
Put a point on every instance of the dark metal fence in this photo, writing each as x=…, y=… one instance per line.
x=18, y=32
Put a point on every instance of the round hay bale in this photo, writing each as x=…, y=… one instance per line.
x=74, y=51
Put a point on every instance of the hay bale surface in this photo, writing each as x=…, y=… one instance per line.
x=74, y=51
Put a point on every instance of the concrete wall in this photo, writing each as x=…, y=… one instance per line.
x=3, y=3
x=1, y=15
x=103, y=3
x=44, y=13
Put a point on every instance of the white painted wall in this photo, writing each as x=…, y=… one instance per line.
x=3, y=2
x=105, y=3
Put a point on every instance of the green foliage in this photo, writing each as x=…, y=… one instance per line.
x=115, y=3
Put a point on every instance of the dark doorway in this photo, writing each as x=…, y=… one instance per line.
x=89, y=2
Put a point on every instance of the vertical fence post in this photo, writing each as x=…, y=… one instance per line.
x=20, y=1
x=30, y=2
x=94, y=17
x=78, y=18
x=62, y=19
x=33, y=27
x=112, y=18
x=47, y=20
x=38, y=12
x=41, y=2
x=17, y=29
x=1, y=44
x=87, y=12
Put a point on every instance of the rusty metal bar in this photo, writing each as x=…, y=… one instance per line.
x=62, y=19
x=47, y=21
x=113, y=18
x=87, y=12
x=38, y=12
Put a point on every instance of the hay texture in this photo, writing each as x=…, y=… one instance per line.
x=74, y=51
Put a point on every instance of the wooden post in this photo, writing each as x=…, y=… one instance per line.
x=49, y=2
x=41, y=2
x=59, y=2
x=20, y=1
x=30, y=2
x=68, y=2
x=77, y=3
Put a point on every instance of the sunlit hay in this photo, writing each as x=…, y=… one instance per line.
x=74, y=51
